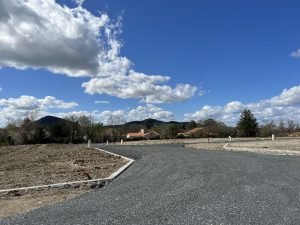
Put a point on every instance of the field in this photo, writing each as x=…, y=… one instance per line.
x=32, y=165
x=176, y=141
x=191, y=141
x=281, y=146
x=266, y=145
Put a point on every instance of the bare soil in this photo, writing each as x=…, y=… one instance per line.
x=32, y=165
x=13, y=203
x=176, y=141
x=292, y=144
x=190, y=141
x=280, y=143
x=263, y=145
x=206, y=146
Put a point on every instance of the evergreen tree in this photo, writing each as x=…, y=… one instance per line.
x=247, y=124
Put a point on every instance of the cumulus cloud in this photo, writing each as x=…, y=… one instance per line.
x=140, y=86
x=31, y=103
x=287, y=97
x=295, y=54
x=284, y=106
x=72, y=41
x=16, y=108
x=149, y=111
x=234, y=107
x=43, y=34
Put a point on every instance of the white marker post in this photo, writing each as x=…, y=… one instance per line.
x=229, y=138
x=89, y=143
x=121, y=141
x=107, y=142
x=273, y=137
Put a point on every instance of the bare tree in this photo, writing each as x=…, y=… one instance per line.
x=33, y=115
x=115, y=119
x=291, y=126
x=267, y=128
x=85, y=123
x=73, y=126
x=115, y=131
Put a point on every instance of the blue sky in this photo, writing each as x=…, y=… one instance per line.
x=236, y=52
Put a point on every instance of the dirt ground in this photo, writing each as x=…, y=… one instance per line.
x=190, y=141
x=175, y=141
x=31, y=165
x=264, y=145
x=206, y=146
x=280, y=144
x=13, y=204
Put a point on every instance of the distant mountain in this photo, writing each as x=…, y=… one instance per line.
x=153, y=122
x=50, y=120
x=146, y=121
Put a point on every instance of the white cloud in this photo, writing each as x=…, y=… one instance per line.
x=52, y=102
x=26, y=102
x=284, y=106
x=101, y=102
x=234, y=107
x=287, y=97
x=72, y=41
x=16, y=108
x=149, y=111
x=295, y=54
x=43, y=34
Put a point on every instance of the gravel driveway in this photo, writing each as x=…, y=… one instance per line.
x=169, y=184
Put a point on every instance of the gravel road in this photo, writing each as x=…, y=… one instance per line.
x=168, y=184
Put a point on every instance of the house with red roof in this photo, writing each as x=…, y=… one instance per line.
x=142, y=135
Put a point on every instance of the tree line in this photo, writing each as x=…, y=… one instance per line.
x=78, y=129
x=72, y=129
